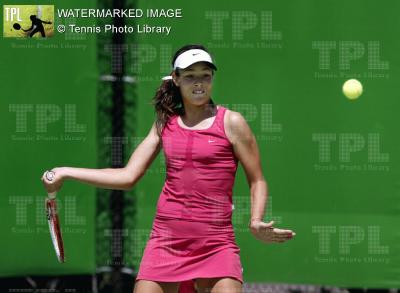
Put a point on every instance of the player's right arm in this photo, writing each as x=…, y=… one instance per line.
x=27, y=30
x=112, y=178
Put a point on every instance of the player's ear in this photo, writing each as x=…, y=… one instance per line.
x=175, y=78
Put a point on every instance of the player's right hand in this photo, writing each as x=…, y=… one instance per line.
x=52, y=180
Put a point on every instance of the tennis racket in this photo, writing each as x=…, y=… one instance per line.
x=54, y=223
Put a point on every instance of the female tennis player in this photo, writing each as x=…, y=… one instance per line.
x=192, y=238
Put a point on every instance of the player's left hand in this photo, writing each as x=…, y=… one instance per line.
x=266, y=233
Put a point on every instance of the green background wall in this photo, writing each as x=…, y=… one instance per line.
x=56, y=82
x=295, y=107
x=332, y=165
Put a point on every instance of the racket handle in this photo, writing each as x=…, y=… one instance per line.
x=50, y=176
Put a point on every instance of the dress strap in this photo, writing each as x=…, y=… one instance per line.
x=220, y=117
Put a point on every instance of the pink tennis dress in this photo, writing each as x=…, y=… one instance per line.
x=192, y=234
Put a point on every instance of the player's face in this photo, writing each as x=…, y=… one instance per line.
x=195, y=83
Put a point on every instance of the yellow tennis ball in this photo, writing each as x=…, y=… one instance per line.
x=352, y=89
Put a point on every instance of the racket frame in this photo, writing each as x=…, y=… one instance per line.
x=54, y=228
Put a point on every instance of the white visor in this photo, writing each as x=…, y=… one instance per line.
x=190, y=57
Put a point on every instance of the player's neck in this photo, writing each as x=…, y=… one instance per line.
x=194, y=114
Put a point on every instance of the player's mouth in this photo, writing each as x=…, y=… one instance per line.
x=198, y=92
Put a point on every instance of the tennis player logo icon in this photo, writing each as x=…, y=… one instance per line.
x=28, y=21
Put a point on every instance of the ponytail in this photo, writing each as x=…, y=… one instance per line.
x=167, y=103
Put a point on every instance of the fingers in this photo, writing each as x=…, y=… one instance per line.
x=50, y=175
x=278, y=235
x=266, y=225
x=47, y=177
x=282, y=231
x=51, y=182
x=281, y=239
x=275, y=239
x=284, y=236
x=277, y=231
x=268, y=236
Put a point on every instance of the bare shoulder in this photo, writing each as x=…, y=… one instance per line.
x=236, y=127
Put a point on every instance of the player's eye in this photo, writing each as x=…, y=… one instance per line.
x=207, y=77
x=188, y=77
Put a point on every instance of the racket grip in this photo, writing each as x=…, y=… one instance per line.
x=50, y=176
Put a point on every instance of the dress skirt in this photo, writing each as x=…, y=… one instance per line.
x=180, y=250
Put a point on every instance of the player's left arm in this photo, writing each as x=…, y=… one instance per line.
x=246, y=150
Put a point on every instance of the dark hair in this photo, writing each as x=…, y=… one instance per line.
x=168, y=100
